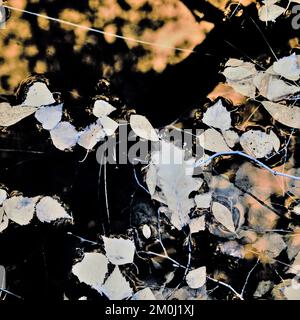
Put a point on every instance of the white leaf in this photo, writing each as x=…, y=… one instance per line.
x=116, y=287
x=119, y=251
x=295, y=267
x=109, y=125
x=196, y=278
x=64, y=136
x=231, y=138
x=12, y=115
x=292, y=293
x=143, y=128
x=38, y=95
x=203, y=200
x=174, y=178
x=92, y=270
x=146, y=231
x=91, y=135
x=20, y=209
x=223, y=216
x=217, y=116
x=259, y=144
x=212, y=140
x=270, y=244
x=289, y=116
x=288, y=67
x=3, y=196
x=3, y=220
x=270, y=12
x=144, y=294
x=272, y=88
x=197, y=224
x=49, y=117
x=49, y=209
x=102, y=108
x=151, y=179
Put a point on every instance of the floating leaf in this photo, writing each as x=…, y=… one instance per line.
x=289, y=116
x=3, y=196
x=231, y=138
x=288, y=67
x=197, y=224
x=270, y=11
x=144, y=294
x=269, y=246
x=146, y=231
x=259, y=144
x=64, y=136
x=49, y=209
x=49, y=117
x=143, y=128
x=217, y=116
x=151, y=179
x=11, y=115
x=116, y=287
x=38, y=95
x=119, y=251
x=102, y=108
x=212, y=140
x=196, y=278
x=223, y=216
x=109, y=126
x=20, y=209
x=92, y=270
x=91, y=135
x=203, y=200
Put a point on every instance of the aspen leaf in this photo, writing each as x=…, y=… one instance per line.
x=196, y=278
x=49, y=117
x=223, y=216
x=143, y=128
x=49, y=209
x=212, y=140
x=109, y=125
x=91, y=135
x=3, y=196
x=64, y=136
x=102, y=108
x=12, y=115
x=217, y=116
x=197, y=224
x=119, y=251
x=270, y=11
x=20, y=209
x=92, y=270
x=146, y=231
x=288, y=67
x=116, y=287
x=203, y=200
x=38, y=95
x=289, y=116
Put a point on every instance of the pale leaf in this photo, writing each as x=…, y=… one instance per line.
x=92, y=270
x=49, y=117
x=143, y=128
x=223, y=215
x=292, y=293
x=64, y=136
x=146, y=231
x=38, y=95
x=212, y=140
x=3, y=220
x=109, y=125
x=270, y=245
x=288, y=67
x=49, y=209
x=196, y=278
x=289, y=116
x=119, y=251
x=203, y=200
x=151, y=179
x=3, y=196
x=12, y=115
x=197, y=224
x=217, y=116
x=270, y=12
x=20, y=209
x=231, y=138
x=116, y=287
x=144, y=294
x=262, y=288
x=91, y=135
x=259, y=144
x=102, y=108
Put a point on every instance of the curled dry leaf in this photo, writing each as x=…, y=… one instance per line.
x=49, y=117
x=119, y=251
x=196, y=278
x=116, y=287
x=259, y=144
x=49, y=209
x=289, y=116
x=92, y=270
x=38, y=95
x=223, y=216
x=217, y=116
x=11, y=115
x=144, y=294
x=102, y=108
x=212, y=140
x=64, y=136
x=143, y=128
x=20, y=209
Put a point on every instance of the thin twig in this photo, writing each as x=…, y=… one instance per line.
x=11, y=293
x=227, y=286
x=248, y=276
